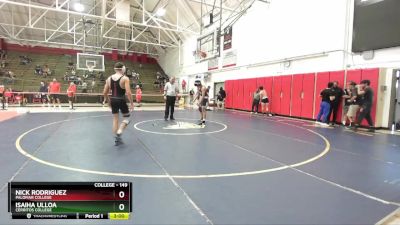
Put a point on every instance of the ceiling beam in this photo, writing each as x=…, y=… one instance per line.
x=143, y=42
x=46, y=8
x=187, y=6
x=208, y=4
x=36, y=21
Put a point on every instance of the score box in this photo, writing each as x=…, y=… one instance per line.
x=79, y=200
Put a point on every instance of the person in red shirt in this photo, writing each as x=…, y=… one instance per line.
x=183, y=85
x=54, y=91
x=138, y=95
x=7, y=95
x=71, y=95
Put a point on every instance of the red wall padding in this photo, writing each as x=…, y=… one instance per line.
x=302, y=101
x=276, y=97
x=297, y=91
x=307, y=106
x=249, y=87
x=266, y=82
x=353, y=75
x=114, y=55
x=228, y=90
x=286, y=95
x=144, y=58
x=240, y=91
x=235, y=96
x=296, y=95
x=134, y=57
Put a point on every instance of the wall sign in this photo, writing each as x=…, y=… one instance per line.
x=229, y=59
x=213, y=64
x=228, y=38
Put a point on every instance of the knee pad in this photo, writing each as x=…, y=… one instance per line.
x=126, y=119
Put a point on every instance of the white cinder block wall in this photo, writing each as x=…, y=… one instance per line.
x=285, y=29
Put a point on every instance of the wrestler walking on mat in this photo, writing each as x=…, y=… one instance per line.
x=202, y=96
x=118, y=83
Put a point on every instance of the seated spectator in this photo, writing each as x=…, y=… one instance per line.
x=101, y=76
x=38, y=70
x=11, y=75
x=3, y=54
x=85, y=75
x=24, y=60
x=46, y=71
x=66, y=76
x=156, y=84
x=90, y=73
x=128, y=73
x=3, y=63
x=73, y=79
x=84, y=87
x=70, y=66
x=78, y=80
x=140, y=84
x=134, y=75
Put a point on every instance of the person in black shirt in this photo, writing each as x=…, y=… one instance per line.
x=2, y=97
x=367, y=96
x=256, y=101
x=43, y=90
x=221, y=98
x=338, y=92
x=327, y=96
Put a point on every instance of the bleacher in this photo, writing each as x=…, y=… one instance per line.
x=27, y=80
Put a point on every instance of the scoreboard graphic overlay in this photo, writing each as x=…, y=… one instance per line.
x=70, y=200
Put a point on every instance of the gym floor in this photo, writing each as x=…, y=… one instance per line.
x=239, y=169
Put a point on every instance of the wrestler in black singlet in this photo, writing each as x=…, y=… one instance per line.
x=205, y=99
x=117, y=97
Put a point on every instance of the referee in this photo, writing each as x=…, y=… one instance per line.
x=171, y=90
